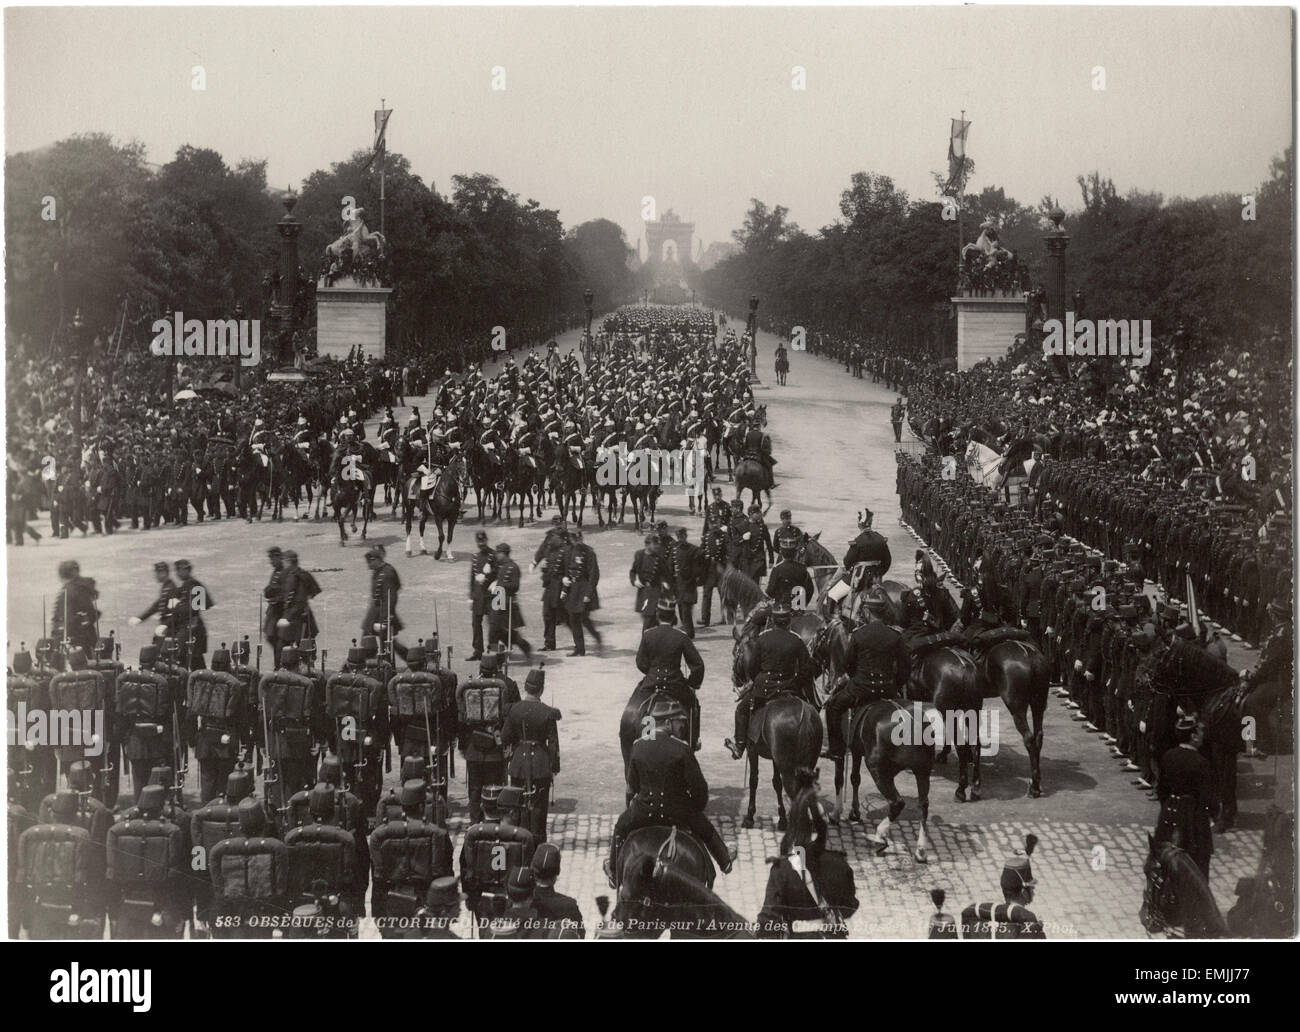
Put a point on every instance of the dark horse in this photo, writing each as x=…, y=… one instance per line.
x=753, y=476
x=485, y=473
x=445, y=504
x=632, y=723
x=349, y=495
x=665, y=883
x=946, y=677
x=1177, y=895
x=786, y=730
x=1015, y=671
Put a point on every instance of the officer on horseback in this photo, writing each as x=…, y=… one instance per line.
x=783, y=665
x=758, y=446
x=660, y=656
x=668, y=788
x=876, y=666
x=868, y=547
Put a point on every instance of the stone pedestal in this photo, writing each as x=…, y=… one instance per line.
x=987, y=326
x=348, y=315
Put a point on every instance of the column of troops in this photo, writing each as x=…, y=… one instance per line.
x=1101, y=632
x=296, y=859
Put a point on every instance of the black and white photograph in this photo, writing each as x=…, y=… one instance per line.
x=651, y=472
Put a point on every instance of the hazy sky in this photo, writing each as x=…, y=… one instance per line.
x=693, y=106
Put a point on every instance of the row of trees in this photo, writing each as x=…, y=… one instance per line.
x=1220, y=267
x=90, y=225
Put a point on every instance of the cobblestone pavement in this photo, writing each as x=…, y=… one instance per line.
x=835, y=448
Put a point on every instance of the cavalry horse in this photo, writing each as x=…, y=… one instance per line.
x=604, y=497
x=256, y=474
x=786, y=729
x=1177, y=895
x=1013, y=669
x=485, y=471
x=665, y=883
x=350, y=491
x=445, y=503
x=885, y=735
x=567, y=475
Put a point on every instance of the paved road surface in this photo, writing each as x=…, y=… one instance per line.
x=835, y=453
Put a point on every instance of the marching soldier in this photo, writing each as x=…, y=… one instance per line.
x=531, y=734
x=297, y=622
x=485, y=762
x=75, y=621
x=551, y=556
x=507, y=619
x=192, y=600
x=274, y=595
x=557, y=913
x=646, y=575
x=162, y=605
x=481, y=575
x=384, y=585
x=685, y=564
x=580, y=581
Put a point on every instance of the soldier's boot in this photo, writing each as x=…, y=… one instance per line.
x=409, y=538
x=736, y=746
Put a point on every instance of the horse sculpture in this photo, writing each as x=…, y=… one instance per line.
x=356, y=238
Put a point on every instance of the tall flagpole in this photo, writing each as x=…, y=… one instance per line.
x=961, y=184
x=383, y=160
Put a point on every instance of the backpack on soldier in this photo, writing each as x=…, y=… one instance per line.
x=79, y=691
x=405, y=856
x=286, y=701
x=491, y=854
x=144, y=855
x=320, y=852
x=217, y=696
x=414, y=692
x=56, y=874
x=249, y=870
x=481, y=709
x=144, y=714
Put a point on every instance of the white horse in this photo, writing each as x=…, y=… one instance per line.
x=356, y=238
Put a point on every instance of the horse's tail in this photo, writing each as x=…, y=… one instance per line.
x=738, y=588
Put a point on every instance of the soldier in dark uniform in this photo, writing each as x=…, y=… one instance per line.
x=782, y=366
x=896, y=420
x=552, y=555
x=1012, y=919
x=162, y=606
x=297, y=622
x=715, y=561
x=531, y=734
x=685, y=562
x=659, y=657
x=647, y=576
x=756, y=545
x=507, y=619
x=559, y=914
x=274, y=595
x=485, y=761
x=868, y=547
x=667, y=788
x=482, y=573
x=441, y=909
x=192, y=600
x=876, y=666
x=787, y=534
x=779, y=662
x=384, y=586
x=790, y=584
x=580, y=582
x=1188, y=792
x=75, y=617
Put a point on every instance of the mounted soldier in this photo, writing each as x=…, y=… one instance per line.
x=775, y=661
